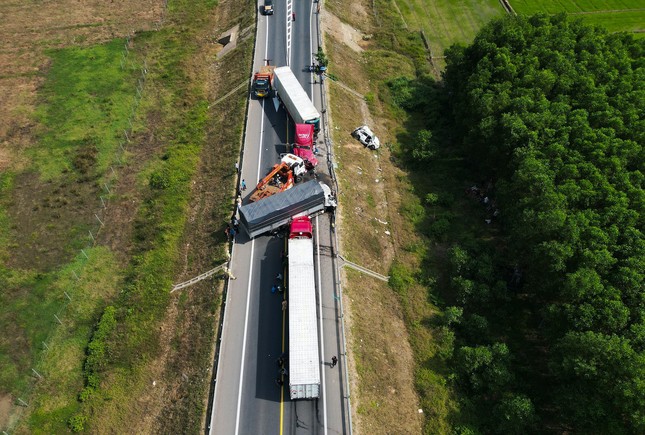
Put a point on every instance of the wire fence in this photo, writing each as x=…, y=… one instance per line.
x=71, y=291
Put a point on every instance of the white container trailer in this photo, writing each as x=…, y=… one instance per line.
x=294, y=98
x=304, y=359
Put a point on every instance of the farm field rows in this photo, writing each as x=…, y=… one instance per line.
x=615, y=15
x=446, y=22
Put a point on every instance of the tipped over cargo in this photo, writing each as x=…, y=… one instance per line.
x=276, y=211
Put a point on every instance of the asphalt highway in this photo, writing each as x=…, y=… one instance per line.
x=247, y=399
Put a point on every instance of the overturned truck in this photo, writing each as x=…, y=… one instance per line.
x=276, y=211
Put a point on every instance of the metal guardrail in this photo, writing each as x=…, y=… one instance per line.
x=201, y=277
x=363, y=269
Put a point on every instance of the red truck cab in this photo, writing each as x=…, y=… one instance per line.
x=301, y=228
x=304, y=145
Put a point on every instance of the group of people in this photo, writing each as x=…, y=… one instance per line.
x=232, y=229
x=277, y=286
x=483, y=197
x=282, y=368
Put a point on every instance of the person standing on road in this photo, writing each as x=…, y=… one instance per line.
x=334, y=361
x=293, y=16
x=243, y=184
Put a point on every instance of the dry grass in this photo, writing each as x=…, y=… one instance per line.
x=392, y=345
x=42, y=214
x=180, y=373
x=381, y=359
x=27, y=29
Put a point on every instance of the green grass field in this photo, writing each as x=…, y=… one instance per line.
x=446, y=22
x=614, y=15
x=86, y=102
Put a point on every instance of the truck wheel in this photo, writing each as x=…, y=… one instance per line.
x=298, y=179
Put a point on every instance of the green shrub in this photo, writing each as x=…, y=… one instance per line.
x=400, y=277
x=77, y=423
x=160, y=180
x=440, y=227
x=413, y=210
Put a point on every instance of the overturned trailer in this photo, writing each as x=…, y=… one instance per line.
x=272, y=213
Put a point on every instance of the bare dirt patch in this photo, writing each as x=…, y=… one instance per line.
x=357, y=14
x=5, y=407
x=349, y=36
x=121, y=210
x=46, y=217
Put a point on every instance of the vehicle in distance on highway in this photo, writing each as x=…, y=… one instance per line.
x=268, y=7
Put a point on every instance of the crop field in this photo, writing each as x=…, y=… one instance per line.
x=615, y=15
x=446, y=22
x=66, y=91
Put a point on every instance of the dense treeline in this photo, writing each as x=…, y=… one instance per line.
x=550, y=316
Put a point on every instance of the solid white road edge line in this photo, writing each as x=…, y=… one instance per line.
x=248, y=289
x=322, y=336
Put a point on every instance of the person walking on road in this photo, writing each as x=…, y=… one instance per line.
x=293, y=16
x=243, y=185
x=334, y=361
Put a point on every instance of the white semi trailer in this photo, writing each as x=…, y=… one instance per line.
x=304, y=359
x=294, y=98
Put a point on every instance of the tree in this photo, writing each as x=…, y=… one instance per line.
x=551, y=109
x=515, y=414
x=601, y=381
x=425, y=147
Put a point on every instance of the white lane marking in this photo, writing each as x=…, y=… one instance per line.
x=311, y=50
x=219, y=361
x=248, y=290
x=246, y=324
x=289, y=23
x=322, y=337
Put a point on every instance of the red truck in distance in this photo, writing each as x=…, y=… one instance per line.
x=303, y=146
